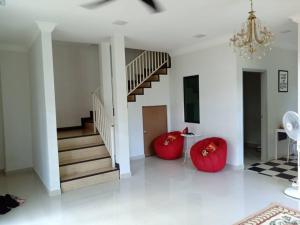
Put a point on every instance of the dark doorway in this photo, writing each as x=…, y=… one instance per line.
x=252, y=116
x=191, y=99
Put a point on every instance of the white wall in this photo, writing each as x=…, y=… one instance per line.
x=298, y=77
x=159, y=94
x=277, y=103
x=218, y=87
x=2, y=150
x=76, y=68
x=16, y=110
x=45, y=150
x=131, y=54
x=221, y=93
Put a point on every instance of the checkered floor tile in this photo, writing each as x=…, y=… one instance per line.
x=279, y=168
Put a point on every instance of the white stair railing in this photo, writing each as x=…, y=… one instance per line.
x=143, y=67
x=104, y=125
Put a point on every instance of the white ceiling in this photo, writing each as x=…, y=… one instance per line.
x=172, y=29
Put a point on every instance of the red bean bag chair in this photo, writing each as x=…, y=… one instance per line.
x=169, y=146
x=209, y=155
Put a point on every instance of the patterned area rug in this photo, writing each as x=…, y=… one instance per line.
x=277, y=168
x=273, y=215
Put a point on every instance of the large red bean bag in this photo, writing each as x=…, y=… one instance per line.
x=169, y=146
x=209, y=155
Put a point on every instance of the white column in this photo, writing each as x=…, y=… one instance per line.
x=120, y=104
x=46, y=30
x=296, y=19
x=106, y=77
x=298, y=65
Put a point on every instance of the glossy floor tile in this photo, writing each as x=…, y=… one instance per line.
x=159, y=192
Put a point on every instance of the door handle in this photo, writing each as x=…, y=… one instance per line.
x=145, y=132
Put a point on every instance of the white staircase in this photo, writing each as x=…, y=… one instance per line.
x=145, y=69
x=86, y=157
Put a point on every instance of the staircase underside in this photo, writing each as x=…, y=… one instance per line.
x=163, y=70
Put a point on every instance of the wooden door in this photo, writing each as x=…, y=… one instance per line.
x=155, y=123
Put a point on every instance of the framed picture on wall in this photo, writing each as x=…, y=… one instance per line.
x=283, y=81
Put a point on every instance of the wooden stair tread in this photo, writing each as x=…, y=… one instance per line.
x=79, y=146
x=87, y=174
x=76, y=134
x=131, y=98
x=138, y=91
x=84, y=159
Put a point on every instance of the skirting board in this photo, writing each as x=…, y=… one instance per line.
x=138, y=157
x=125, y=175
x=242, y=167
x=12, y=172
x=26, y=170
x=54, y=193
x=50, y=193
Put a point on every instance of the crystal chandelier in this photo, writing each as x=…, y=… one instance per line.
x=254, y=39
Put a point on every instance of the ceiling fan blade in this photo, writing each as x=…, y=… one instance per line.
x=93, y=5
x=153, y=5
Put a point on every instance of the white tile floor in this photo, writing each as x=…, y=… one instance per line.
x=160, y=192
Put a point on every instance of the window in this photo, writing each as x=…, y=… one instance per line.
x=191, y=99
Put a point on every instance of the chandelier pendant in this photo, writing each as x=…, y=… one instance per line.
x=253, y=40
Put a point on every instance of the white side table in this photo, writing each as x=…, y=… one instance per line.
x=189, y=141
x=277, y=131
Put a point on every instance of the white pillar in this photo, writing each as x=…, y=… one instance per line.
x=106, y=77
x=46, y=30
x=287, y=191
x=298, y=65
x=296, y=19
x=120, y=104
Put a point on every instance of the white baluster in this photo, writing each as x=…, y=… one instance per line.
x=129, y=81
x=136, y=75
x=140, y=71
x=133, y=75
x=148, y=64
x=102, y=124
x=151, y=64
x=94, y=113
x=112, y=145
x=143, y=68
x=159, y=59
x=127, y=76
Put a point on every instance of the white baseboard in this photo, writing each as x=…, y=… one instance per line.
x=12, y=172
x=26, y=170
x=137, y=157
x=233, y=167
x=54, y=193
x=125, y=175
x=50, y=193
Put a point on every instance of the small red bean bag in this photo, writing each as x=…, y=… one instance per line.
x=209, y=155
x=169, y=146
